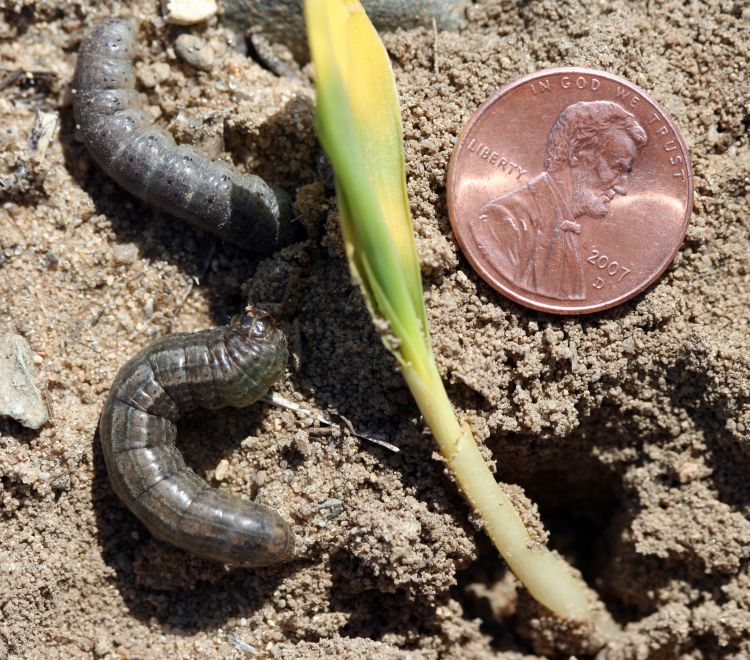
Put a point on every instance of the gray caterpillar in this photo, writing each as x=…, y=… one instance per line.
x=146, y=161
x=227, y=366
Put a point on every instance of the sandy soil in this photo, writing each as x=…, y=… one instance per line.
x=628, y=428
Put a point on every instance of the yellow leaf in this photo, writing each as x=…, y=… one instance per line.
x=351, y=62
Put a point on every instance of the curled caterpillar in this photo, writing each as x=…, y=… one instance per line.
x=232, y=365
x=146, y=161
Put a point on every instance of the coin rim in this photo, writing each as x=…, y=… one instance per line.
x=514, y=295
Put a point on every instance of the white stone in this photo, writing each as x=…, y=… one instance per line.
x=222, y=470
x=188, y=12
x=20, y=398
x=194, y=51
x=125, y=253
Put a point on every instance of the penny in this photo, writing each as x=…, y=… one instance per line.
x=570, y=190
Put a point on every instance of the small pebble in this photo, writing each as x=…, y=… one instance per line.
x=61, y=483
x=302, y=443
x=332, y=507
x=162, y=72
x=188, y=12
x=126, y=253
x=152, y=75
x=53, y=261
x=222, y=470
x=20, y=398
x=196, y=52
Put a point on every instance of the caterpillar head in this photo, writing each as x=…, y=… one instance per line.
x=258, y=325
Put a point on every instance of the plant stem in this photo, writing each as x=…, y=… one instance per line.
x=548, y=578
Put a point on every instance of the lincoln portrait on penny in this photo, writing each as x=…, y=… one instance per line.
x=531, y=234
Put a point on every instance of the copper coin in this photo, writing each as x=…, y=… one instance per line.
x=570, y=190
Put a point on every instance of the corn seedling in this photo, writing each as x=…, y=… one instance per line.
x=358, y=123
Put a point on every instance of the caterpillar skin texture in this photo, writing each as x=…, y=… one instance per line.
x=227, y=366
x=146, y=161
